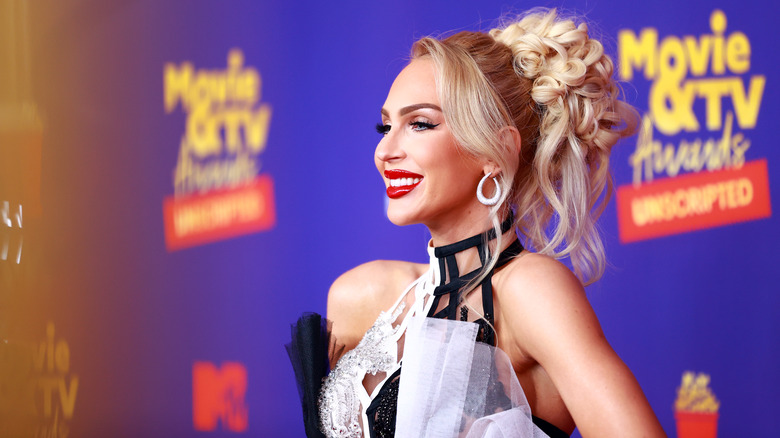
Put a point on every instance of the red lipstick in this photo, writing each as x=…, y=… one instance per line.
x=401, y=182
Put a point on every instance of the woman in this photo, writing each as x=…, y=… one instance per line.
x=491, y=135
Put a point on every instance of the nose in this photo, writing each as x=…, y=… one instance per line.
x=388, y=148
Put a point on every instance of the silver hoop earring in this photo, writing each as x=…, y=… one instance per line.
x=482, y=198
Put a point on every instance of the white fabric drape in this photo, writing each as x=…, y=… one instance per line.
x=452, y=386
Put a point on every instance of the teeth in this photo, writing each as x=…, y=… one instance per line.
x=399, y=182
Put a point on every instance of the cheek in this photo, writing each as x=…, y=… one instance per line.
x=380, y=165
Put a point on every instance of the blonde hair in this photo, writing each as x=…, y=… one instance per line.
x=545, y=77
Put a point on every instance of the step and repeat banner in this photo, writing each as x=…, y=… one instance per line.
x=179, y=181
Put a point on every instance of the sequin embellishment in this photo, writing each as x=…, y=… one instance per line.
x=376, y=352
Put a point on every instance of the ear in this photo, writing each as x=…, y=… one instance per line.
x=491, y=168
x=511, y=142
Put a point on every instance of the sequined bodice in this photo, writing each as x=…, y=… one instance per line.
x=346, y=407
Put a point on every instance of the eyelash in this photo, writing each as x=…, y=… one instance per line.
x=382, y=128
x=417, y=126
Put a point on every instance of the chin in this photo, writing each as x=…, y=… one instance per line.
x=400, y=218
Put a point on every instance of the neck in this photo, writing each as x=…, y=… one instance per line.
x=469, y=222
x=469, y=259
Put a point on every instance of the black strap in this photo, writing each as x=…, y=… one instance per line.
x=447, y=250
x=455, y=284
x=454, y=288
x=550, y=429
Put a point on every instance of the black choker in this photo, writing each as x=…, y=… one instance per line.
x=448, y=265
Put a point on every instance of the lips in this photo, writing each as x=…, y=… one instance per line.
x=401, y=182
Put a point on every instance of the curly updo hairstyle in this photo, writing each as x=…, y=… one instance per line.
x=547, y=78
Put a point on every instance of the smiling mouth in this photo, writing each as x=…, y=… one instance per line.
x=401, y=182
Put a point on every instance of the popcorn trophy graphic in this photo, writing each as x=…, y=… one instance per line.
x=696, y=408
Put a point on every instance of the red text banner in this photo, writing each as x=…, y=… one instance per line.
x=693, y=201
x=219, y=214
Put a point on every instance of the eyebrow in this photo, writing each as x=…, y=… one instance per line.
x=410, y=108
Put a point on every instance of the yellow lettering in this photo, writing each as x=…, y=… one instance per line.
x=672, y=60
x=237, y=208
x=50, y=345
x=680, y=116
x=641, y=160
x=232, y=120
x=692, y=201
x=47, y=385
x=62, y=357
x=711, y=195
x=718, y=26
x=696, y=202
x=177, y=82
x=744, y=191
x=692, y=154
x=738, y=53
x=191, y=175
x=206, y=89
x=719, y=153
x=651, y=157
x=68, y=395
x=739, y=144
x=638, y=213
x=249, y=86
x=256, y=129
x=713, y=91
x=676, y=58
x=698, y=53
x=727, y=195
x=635, y=53
x=39, y=356
x=747, y=107
x=221, y=112
x=203, y=132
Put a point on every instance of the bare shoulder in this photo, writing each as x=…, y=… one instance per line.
x=543, y=304
x=546, y=319
x=357, y=296
x=537, y=277
x=375, y=282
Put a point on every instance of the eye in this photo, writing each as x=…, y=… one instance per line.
x=382, y=128
x=422, y=126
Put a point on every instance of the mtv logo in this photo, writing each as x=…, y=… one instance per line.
x=219, y=394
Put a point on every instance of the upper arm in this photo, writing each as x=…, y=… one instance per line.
x=358, y=296
x=352, y=303
x=556, y=326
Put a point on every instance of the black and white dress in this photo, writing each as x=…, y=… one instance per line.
x=428, y=367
